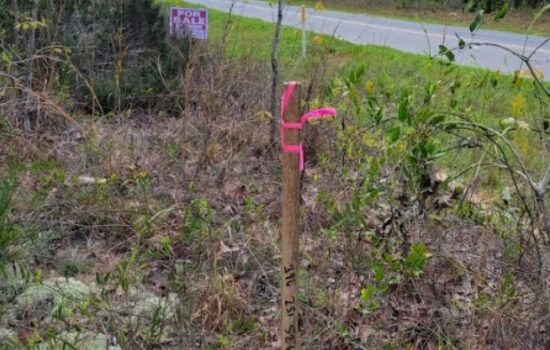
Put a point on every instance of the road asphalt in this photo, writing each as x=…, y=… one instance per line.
x=407, y=36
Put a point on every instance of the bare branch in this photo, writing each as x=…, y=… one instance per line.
x=523, y=58
x=275, y=71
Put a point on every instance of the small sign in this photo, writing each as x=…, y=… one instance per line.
x=189, y=22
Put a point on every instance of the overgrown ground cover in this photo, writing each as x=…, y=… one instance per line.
x=156, y=227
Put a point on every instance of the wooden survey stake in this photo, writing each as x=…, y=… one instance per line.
x=290, y=226
x=293, y=165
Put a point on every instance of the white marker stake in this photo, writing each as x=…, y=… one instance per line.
x=304, y=49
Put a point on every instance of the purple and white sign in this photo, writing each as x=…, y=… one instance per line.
x=189, y=22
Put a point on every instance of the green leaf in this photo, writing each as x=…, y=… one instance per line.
x=415, y=261
x=451, y=126
x=461, y=44
x=424, y=114
x=378, y=270
x=507, y=290
x=393, y=134
x=443, y=50
x=403, y=112
x=431, y=88
x=422, y=148
x=502, y=11
x=477, y=21
x=357, y=73
x=368, y=293
x=437, y=119
x=426, y=148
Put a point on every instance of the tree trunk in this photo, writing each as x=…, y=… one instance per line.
x=26, y=122
x=14, y=95
x=544, y=216
x=14, y=7
x=275, y=73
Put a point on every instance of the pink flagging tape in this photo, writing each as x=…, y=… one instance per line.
x=320, y=113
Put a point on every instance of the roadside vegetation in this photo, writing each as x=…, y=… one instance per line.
x=139, y=189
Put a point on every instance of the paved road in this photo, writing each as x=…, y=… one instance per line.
x=403, y=35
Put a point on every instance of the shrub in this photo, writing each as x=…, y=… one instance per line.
x=104, y=51
x=116, y=43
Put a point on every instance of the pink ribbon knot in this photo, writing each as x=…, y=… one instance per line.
x=320, y=113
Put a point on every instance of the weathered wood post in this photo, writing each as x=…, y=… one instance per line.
x=293, y=165
x=290, y=224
